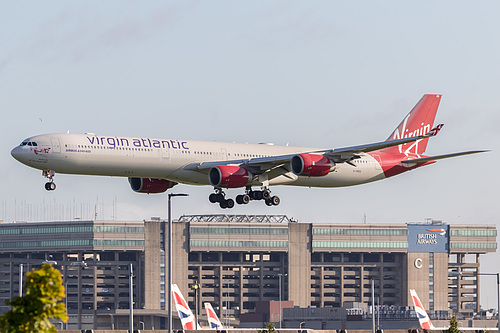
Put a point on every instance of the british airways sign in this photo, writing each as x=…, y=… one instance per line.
x=428, y=238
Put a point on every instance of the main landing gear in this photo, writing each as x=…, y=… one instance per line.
x=243, y=199
x=50, y=185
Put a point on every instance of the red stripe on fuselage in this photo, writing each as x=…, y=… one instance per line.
x=391, y=163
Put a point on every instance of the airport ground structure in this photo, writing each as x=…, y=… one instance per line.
x=240, y=260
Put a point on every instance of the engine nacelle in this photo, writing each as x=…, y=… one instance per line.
x=312, y=165
x=229, y=176
x=150, y=185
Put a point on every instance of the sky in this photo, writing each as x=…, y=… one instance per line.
x=312, y=73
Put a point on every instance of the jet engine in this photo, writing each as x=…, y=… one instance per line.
x=312, y=165
x=150, y=185
x=229, y=176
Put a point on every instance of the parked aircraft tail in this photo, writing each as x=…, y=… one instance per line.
x=213, y=320
x=423, y=317
x=185, y=314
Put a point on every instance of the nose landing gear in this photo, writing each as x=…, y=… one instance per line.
x=50, y=185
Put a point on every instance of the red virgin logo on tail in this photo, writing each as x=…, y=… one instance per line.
x=402, y=132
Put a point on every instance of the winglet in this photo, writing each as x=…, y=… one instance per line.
x=435, y=130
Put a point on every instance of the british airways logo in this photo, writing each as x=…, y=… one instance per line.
x=430, y=238
x=441, y=232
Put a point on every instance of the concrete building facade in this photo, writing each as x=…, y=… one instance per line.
x=241, y=260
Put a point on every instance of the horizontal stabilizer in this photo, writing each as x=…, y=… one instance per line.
x=440, y=157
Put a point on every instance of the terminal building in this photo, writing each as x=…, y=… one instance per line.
x=240, y=260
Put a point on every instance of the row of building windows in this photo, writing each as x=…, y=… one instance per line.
x=61, y=230
x=44, y=230
x=474, y=232
x=71, y=242
x=236, y=243
x=119, y=229
x=48, y=243
x=459, y=245
x=371, y=232
x=250, y=231
x=118, y=242
x=332, y=244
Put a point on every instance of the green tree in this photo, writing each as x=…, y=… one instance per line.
x=43, y=292
x=453, y=325
x=268, y=328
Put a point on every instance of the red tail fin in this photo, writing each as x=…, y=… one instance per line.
x=418, y=122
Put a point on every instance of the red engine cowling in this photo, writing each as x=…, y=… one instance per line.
x=312, y=165
x=150, y=185
x=229, y=176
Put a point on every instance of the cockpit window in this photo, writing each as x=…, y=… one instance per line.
x=29, y=143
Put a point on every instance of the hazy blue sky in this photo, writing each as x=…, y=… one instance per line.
x=316, y=73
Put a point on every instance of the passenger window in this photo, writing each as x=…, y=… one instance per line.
x=29, y=143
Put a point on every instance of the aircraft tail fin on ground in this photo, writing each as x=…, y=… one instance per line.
x=423, y=317
x=185, y=314
x=213, y=320
x=418, y=121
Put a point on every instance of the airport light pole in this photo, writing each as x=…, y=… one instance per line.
x=170, y=195
x=373, y=306
x=20, y=280
x=279, y=280
x=131, y=300
x=195, y=287
x=498, y=295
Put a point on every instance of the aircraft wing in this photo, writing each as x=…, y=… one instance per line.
x=262, y=165
x=440, y=157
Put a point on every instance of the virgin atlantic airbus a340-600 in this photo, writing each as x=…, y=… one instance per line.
x=155, y=165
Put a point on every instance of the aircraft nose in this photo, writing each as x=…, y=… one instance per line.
x=17, y=153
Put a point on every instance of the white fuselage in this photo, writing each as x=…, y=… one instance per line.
x=91, y=154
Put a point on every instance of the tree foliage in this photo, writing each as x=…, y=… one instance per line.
x=453, y=325
x=43, y=293
x=268, y=328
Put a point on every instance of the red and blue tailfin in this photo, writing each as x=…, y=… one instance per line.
x=423, y=317
x=213, y=320
x=185, y=314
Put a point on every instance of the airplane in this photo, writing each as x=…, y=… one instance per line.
x=186, y=316
x=425, y=321
x=155, y=165
x=213, y=320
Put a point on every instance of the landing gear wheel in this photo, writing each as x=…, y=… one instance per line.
x=245, y=198
x=229, y=203
x=223, y=204
x=212, y=198
x=266, y=194
x=242, y=199
x=257, y=195
x=275, y=200
x=239, y=199
x=269, y=202
x=50, y=186
x=49, y=174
